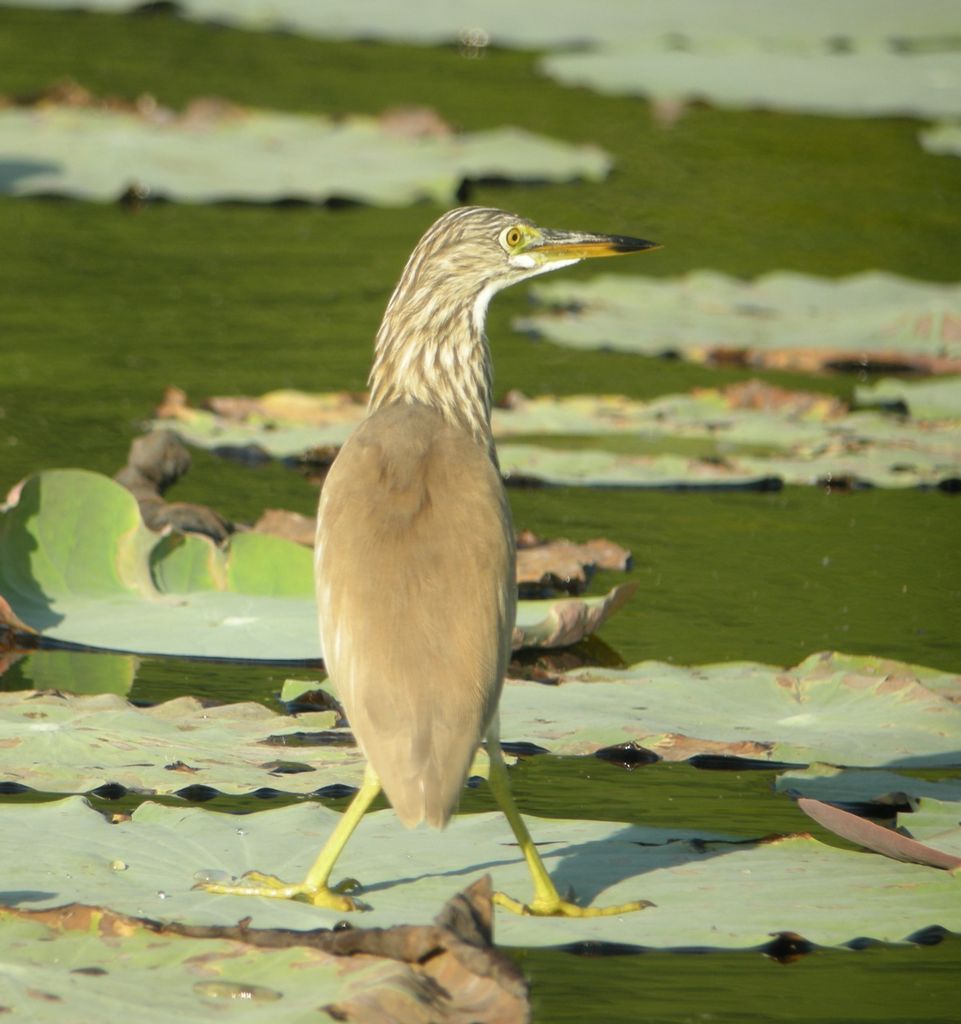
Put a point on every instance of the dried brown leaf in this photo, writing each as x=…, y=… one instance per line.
x=875, y=837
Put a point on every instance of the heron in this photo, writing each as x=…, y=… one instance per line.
x=415, y=549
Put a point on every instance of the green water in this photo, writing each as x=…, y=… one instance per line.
x=103, y=308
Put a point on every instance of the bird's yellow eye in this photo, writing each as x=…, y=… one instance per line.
x=513, y=237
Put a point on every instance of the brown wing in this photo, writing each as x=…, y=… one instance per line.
x=416, y=593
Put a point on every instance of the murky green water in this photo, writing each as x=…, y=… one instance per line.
x=103, y=308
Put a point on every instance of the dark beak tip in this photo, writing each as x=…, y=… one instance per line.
x=634, y=245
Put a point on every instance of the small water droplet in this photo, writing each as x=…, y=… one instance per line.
x=236, y=990
x=211, y=875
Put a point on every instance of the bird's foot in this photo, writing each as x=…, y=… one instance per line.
x=556, y=907
x=256, y=883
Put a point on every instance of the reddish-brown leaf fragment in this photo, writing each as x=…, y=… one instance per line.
x=875, y=837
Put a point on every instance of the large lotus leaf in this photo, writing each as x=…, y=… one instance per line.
x=938, y=398
x=880, y=466
x=606, y=469
x=865, y=84
x=709, y=892
x=779, y=320
x=78, y=565
x=259, y=156
x=288, y=423
x=76, y=976
x=86, y=963
x=539, y=24
x=829, y=784
x=744, y=709
x=936, y=822
x=61, y=743
x=747, y=436
x=58, y=743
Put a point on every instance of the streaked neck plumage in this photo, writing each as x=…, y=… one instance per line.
x=431, y=347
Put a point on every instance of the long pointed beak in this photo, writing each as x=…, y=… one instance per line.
x=574, y=245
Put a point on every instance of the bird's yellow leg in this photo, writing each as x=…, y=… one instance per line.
x=315, y=888
x=547, y=901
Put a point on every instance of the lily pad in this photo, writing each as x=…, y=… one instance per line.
x=708, y=893
x=66, y=966
x=932, y=399
x=855, y=84
x=287, y=424
x=542, y=24
x=935, y=821
x=78, y=565
x=838, y=464
x=750, y=435
x=744, y=709
x=59, y=743
x=216, y=153
x=864, y=786
x=780, y=320
x=68, y=744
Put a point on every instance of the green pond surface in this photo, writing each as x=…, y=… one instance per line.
x=103, y=307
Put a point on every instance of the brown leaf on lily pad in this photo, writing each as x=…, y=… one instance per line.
x=562, y=564
x=759, y=395
x=280, y=522
x=570, y=621
x=875, y=837
x=291, y=406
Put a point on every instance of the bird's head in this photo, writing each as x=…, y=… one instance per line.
x=480, y=251
x=431, y=346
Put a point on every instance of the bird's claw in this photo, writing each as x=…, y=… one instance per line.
x=256, y=883
x=556, y=907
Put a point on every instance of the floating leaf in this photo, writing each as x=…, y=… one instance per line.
x=744, y=709
x=858, y=84
x=935, y=821
x=746, y=435
x=226, y=153
x=66, y=966
x=873, y=837
x=562, y=564
x=291, y=423
x=938, y=398
x=522, y=463
x=78, y=565
x=780, y=320
x=863, y=786
x=542, y=24
x=61, y=743
x=712, y=892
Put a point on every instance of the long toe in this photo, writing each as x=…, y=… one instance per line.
x=563, y=908
x=255, y=883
